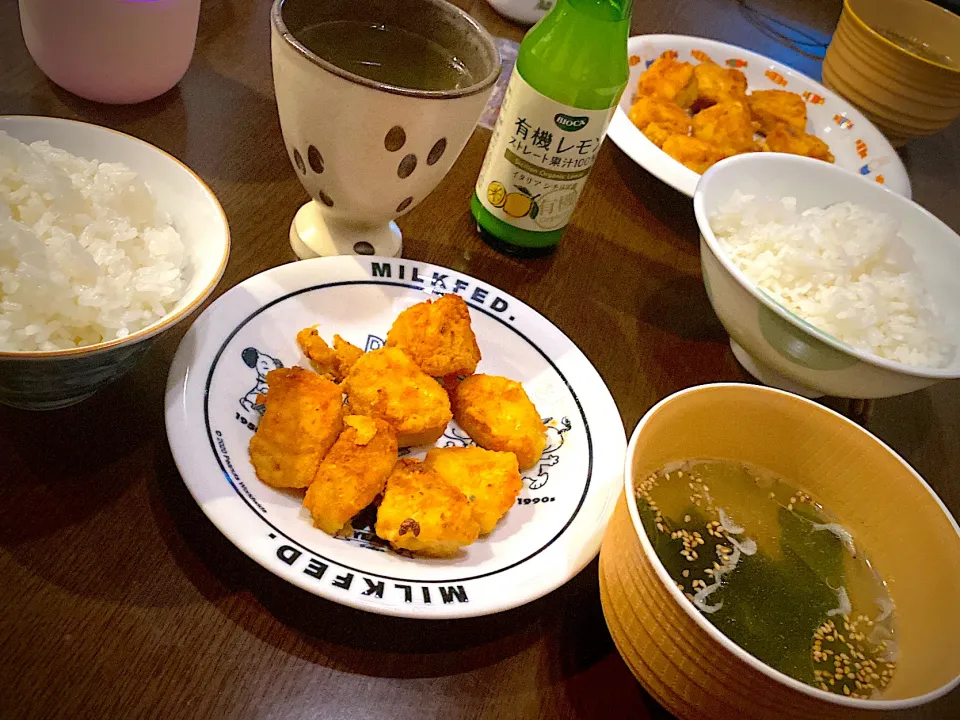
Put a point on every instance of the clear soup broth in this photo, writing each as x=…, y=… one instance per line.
x=774, y=572
x=918, y=48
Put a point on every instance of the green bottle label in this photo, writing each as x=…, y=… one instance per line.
x=539, y=157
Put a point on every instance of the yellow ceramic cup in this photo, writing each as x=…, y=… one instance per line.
x=688, y=665
x=903, y=94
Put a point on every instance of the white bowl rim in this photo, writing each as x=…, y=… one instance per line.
x=707, y=234
x=697, y=616
x=168, y=320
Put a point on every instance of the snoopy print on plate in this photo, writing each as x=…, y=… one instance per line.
x=213, y=407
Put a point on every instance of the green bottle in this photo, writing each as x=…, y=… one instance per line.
x=571, y=70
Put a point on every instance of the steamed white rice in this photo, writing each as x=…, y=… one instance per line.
x=85, y=254
x=843, y=268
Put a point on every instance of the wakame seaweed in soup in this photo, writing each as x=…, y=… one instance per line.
x=773, y=572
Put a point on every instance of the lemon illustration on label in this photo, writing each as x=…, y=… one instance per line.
x=522, y=203
x=497, y=194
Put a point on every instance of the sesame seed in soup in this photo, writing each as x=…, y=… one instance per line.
x=772, y=570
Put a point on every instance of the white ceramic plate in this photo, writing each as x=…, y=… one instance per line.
x=855, y=143
x=552, y=532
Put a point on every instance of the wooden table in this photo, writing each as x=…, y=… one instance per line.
x=119, y=599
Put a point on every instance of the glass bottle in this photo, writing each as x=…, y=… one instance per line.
x=571, y=70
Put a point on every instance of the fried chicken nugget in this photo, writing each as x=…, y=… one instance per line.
x=347, y=354
x=437, y=336
x=658, y=134
x=692, y=152
x=333, y=363
x=353, y=473
x=770, y=108
x=497, y=413
x=300, y=424
x=670, y=79
x=726, y=126
x=717, y=84
x=423, y=513
x=658, y=119
x=490, y=480
x=387, y=384
x=785, y=139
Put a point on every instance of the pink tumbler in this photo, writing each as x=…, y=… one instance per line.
x=111, y=51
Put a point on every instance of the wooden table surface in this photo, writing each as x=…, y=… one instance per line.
x=118, y=597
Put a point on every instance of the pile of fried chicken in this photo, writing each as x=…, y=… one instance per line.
x=345, y=451
x=700, y=114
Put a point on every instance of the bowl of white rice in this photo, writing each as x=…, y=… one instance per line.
x=105, y=242
x=828, y=284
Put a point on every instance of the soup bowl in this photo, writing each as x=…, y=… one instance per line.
x=689, y=666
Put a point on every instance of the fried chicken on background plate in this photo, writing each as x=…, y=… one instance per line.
x=726, y=126
x=770, y=108
x=785, y=139
x=717, y=84
x=658, y=119
x=692, y=152
x=670, y=79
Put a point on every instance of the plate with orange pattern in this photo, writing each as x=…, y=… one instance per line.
x=856, y=144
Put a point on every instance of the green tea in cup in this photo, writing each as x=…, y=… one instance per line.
x=386, y=53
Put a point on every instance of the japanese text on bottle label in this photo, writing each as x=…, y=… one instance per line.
x=540, y=155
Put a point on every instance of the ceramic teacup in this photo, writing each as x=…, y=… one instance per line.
x=366, y=151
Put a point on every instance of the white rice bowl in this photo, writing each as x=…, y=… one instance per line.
x=86, y=255
x=843, y=268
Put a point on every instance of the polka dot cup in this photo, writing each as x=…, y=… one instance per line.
x=367, y=152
